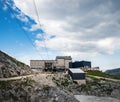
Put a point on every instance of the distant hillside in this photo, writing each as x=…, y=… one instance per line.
x=10, y=67
x=113, y=71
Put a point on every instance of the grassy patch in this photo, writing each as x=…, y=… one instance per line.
x=101, y=74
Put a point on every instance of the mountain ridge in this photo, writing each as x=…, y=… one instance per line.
x=115, y=71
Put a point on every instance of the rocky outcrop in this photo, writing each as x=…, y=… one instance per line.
x=33, y=90
x=27, y=91
x=93, y=86
x=10, y=67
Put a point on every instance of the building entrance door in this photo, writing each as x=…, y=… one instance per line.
x=48, y=66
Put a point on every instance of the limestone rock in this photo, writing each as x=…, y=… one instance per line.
x=10, y=67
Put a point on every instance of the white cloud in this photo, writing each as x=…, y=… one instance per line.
x=39, y=44
x=80, y=27
x=38, y=36
x=22, y=17
x=34, y=27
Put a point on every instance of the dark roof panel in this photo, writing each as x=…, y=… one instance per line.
x=64, y=57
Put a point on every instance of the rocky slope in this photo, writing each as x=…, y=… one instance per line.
x=28, y=90
x=10, y=67
x=57, y=87
x=94, y=86
x=113, y=71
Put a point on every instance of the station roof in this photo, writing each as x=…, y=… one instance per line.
x=64, y=57
x=76, y=70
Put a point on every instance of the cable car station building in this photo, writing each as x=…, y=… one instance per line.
x=60, y=62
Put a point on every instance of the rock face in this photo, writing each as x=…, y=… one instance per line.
x=113, y=71
x=10, y=67
x=27, y=91
x=94, y=87
x=64, y=90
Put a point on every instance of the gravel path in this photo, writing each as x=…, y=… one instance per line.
x=83, y=98
x=115, y=80
x=16, y=78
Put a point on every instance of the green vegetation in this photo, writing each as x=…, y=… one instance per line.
x=27, y=82
x=63, y=81
x=20, y=64
x=5, y=85
x=101, y=74
x=10, y=84
x=46, y=87
x=95, y=87
x=16, y=90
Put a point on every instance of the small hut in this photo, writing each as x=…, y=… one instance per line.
x=77, y=75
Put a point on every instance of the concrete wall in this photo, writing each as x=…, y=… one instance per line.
x=62, y=63
x=37, y=64
x=80, y=82
x=67, y=63
x=40, y=63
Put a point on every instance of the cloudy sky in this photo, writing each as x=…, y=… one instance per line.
x=42, y=29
